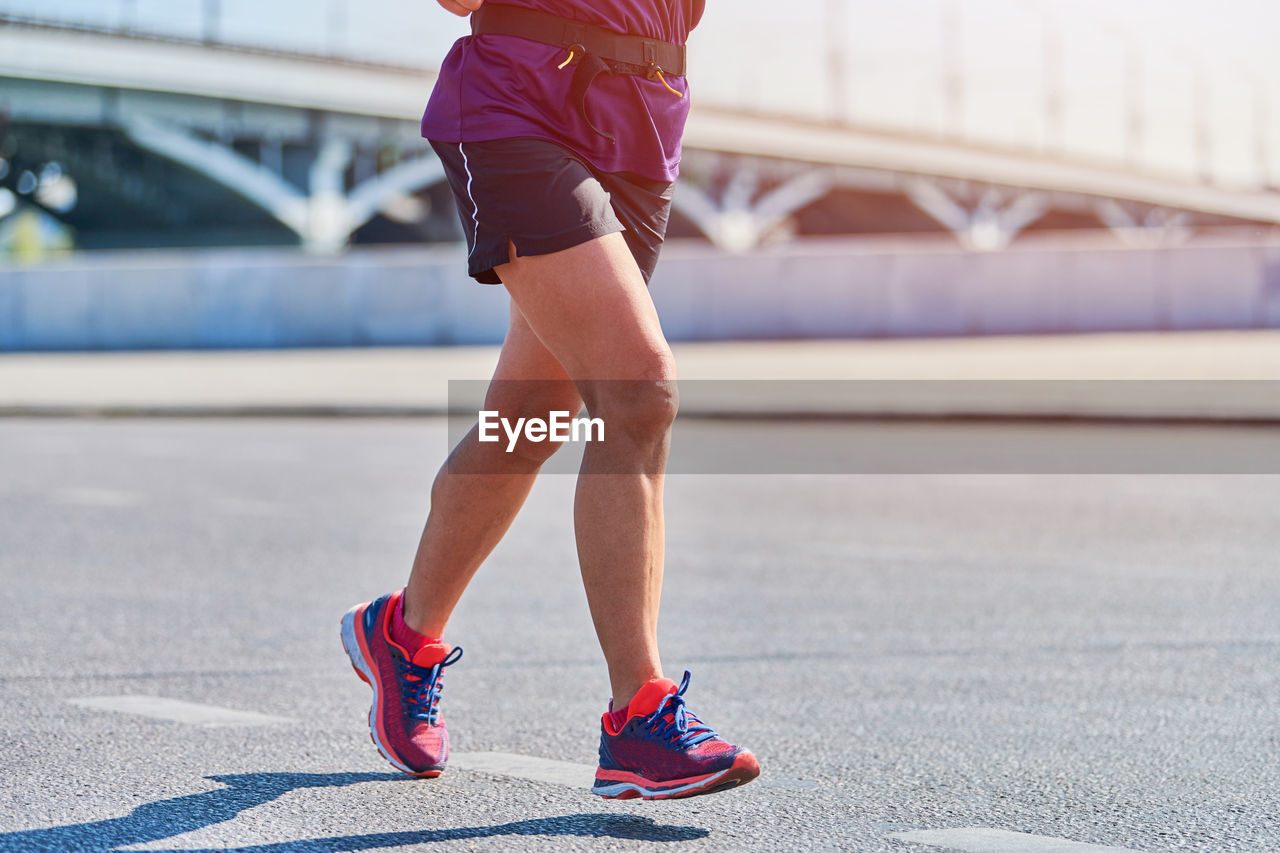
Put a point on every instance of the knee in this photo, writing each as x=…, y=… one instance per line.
x=641, y=409
x=526, y=401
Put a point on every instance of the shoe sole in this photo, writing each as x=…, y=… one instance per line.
x=743, y=770
x=360, y=662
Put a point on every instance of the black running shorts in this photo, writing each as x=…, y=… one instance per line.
x=545, y=198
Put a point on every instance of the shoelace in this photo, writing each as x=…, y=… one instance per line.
x=673, y=720
x=423, y=686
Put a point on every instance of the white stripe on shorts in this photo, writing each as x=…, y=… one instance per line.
x=475, y=209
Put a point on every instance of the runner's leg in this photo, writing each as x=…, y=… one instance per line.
x=471, y=512
x=590, y=308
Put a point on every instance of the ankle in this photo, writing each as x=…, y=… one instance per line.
x=405, y=635
x=625, y=693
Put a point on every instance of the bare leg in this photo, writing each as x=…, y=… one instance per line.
x=471, y=512
x=591, y=309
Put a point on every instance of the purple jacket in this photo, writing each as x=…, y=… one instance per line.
x=493, y=87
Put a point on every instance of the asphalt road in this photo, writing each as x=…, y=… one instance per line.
x=1083, y=657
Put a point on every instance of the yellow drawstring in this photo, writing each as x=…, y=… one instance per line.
x=658, y=71
x=655, y=69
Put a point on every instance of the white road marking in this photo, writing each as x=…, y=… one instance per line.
x=526, y=767
x=561, y=772
x=979, y=840
x=175, y=710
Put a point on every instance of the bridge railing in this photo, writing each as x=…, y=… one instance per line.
x=410, y=33
x=1039, y=77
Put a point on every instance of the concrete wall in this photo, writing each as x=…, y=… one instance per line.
x=247, y=299
x=843, y=288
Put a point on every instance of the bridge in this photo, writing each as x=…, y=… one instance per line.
x=135, y=135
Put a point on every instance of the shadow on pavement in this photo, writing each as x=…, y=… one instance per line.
x=166, y=818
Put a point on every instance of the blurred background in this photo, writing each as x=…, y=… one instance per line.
x=215, y=213
x=226, y=173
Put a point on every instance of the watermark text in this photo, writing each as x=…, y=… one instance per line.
x=558, y=426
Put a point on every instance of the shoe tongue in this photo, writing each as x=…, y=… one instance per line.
x=647, y=698
x=430, y=654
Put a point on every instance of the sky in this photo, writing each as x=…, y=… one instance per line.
x=1185, y=87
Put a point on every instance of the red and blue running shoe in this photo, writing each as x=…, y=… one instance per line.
x=663, y=751
x=404, y=722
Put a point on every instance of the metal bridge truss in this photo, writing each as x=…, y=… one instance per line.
x=227, y=115
x=736, y=202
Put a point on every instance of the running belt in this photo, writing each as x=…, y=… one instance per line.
x=592, y=50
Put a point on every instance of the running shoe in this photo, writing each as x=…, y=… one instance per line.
x=404, y=721
x=663, y=751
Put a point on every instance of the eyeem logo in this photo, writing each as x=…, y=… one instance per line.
x=561, y=426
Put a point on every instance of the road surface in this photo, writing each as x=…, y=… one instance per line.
x=921, y=662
